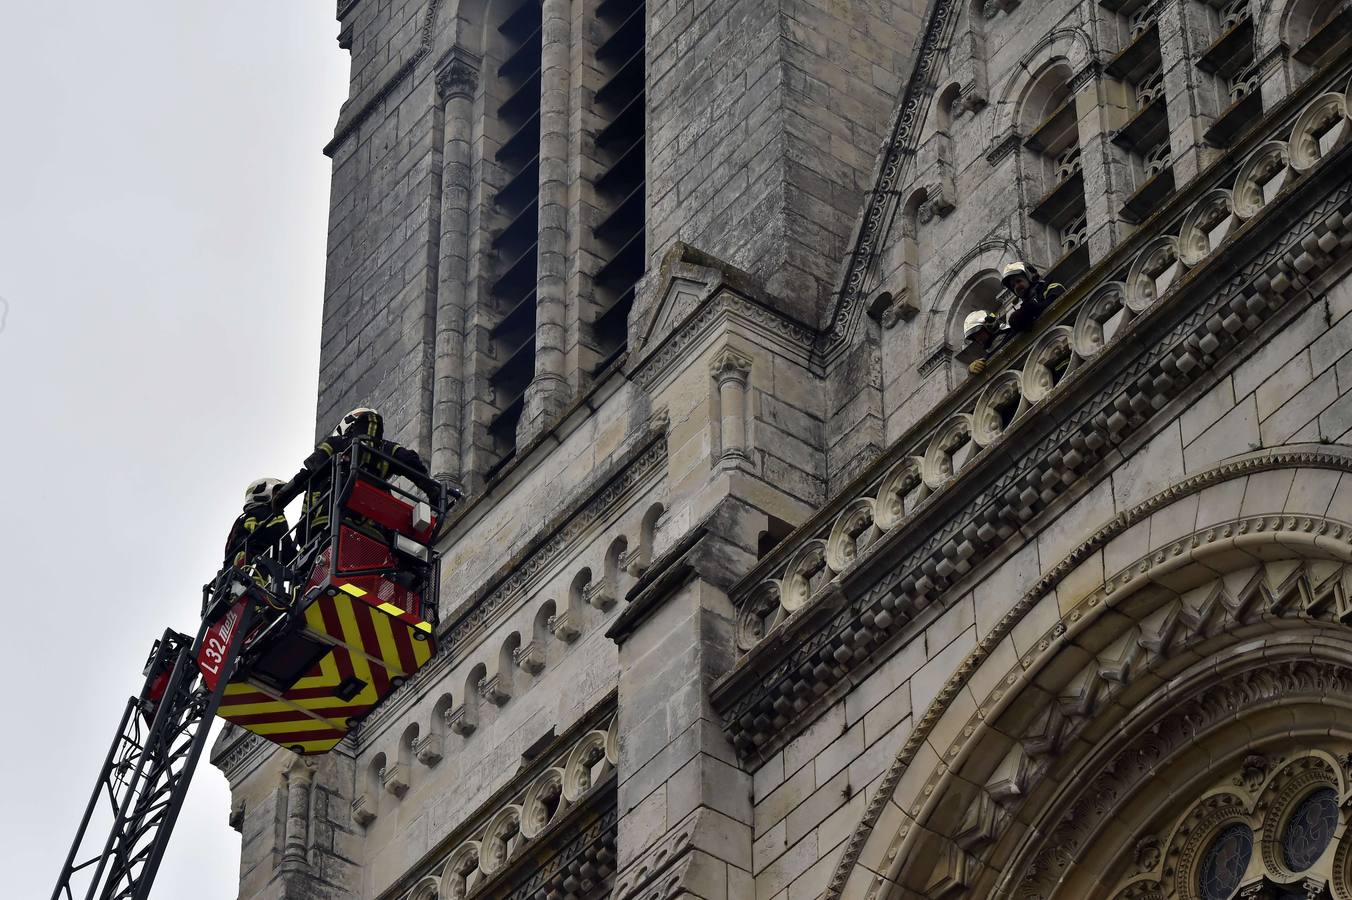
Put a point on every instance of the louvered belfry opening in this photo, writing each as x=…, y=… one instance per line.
x=620, y=105
x=517, y=202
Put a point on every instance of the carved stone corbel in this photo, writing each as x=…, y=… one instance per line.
x=530, y=657
x=565, y=626
x=236, y=820
x=496, y=689
x=600, y=594
x=394, y=778
x=363, y=810
x=635, y=562
x=462, y=720
x=430, y=749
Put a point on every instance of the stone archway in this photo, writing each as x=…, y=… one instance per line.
x=988, y=797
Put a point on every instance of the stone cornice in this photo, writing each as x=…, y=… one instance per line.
x=831, y=631
x=238, y=752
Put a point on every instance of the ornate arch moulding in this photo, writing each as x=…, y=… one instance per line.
x=1167, y=571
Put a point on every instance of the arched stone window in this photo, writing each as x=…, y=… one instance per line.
x=548, y=136
x=1141, y=128
x=982, y=292
x=1315, y=30
x=1231, y=59
x=1049, y=122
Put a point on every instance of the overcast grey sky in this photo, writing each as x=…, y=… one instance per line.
x=163, y=210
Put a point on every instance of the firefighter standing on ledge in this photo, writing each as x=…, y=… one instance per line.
x=1032, y=297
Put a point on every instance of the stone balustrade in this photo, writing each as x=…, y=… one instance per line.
x=1135, y=287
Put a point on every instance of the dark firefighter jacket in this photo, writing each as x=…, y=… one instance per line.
x=314, y=476
x=1027, y=310
x=257, y=528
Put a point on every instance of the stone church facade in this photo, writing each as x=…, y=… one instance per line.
x=756, y=592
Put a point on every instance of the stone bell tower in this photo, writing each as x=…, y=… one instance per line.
x=579, y=255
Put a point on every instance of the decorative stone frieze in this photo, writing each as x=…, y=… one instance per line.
x=1181, y=332
x=1303, y=594
x=552, y=836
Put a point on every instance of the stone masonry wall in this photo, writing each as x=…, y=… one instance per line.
x=808, y=797
x=764, y=122
x=380, y=280
x=962, y=209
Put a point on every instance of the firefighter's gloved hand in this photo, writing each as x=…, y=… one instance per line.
x=976, y=366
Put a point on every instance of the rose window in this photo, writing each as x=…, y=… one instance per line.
x=1224, y=862
x=1310, y=829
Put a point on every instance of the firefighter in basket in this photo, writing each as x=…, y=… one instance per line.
x=314, y=479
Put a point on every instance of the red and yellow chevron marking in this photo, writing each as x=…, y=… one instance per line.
x=279, y=720
x=309, y=715
x=388, y=638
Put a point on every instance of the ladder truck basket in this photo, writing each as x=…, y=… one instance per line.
x=353, y=608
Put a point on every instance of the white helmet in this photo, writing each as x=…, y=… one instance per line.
x=373, y=426
x=974, y=322
x=1016, y=268
x=262, y=490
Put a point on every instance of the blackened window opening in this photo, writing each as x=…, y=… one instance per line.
x=1145, y=133
x=517, y=204
x=621, y=187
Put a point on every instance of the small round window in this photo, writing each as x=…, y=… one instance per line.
x=1310, y=829
x=1224, y=862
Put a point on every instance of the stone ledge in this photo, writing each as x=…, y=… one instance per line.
x=767, y=690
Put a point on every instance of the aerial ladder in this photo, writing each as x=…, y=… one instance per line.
x=296, y=644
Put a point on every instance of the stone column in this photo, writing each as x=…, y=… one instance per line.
x=300, y=775
x=731, y=371
x=1102, y=106
x=549, y=392
x=457, y=77
x=1193, y=97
